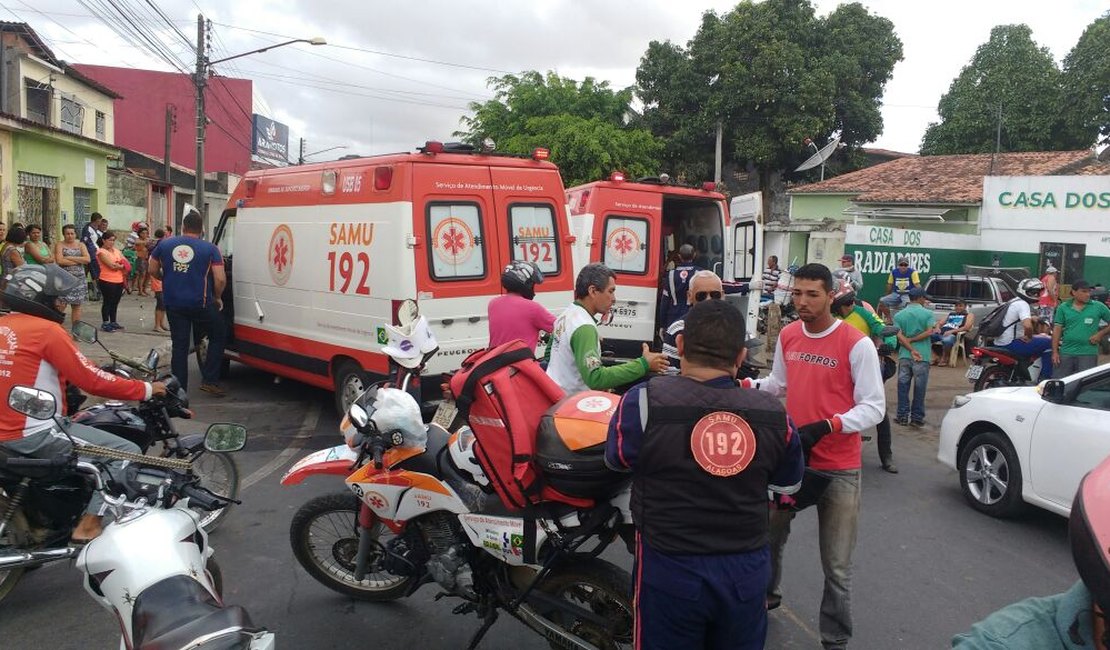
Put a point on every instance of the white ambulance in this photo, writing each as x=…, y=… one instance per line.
x=636, y=228
x=320, y=257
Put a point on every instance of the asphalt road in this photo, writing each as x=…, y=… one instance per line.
x=926, y=565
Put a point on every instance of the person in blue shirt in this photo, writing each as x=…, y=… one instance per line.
x=193, y=279
x=672, y=302
x=703, y=560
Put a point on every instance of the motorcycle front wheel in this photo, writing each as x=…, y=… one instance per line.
x=603, y=589
x=219, y=473
x=324, y=536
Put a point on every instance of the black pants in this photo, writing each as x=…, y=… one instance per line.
x=187, y=326
x=112, y=293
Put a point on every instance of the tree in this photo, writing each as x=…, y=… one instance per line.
x=1086, y=82
x=772, y=74
x=583, y=124
x=1007, y=97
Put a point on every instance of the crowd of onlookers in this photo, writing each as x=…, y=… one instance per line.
x=107, y=266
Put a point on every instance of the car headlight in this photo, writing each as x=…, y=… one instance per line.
x=960, y=400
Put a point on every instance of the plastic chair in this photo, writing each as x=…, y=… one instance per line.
x=958, y=350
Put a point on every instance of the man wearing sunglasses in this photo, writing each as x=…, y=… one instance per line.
x=899, y=281
x=705, y=285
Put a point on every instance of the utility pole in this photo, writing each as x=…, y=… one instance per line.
x=200, y=80
x=717, y=165
x=300, y=158
x=171, y=126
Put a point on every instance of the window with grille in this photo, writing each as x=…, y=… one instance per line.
x=72, y=116
x=38, y=102
x=100, y=120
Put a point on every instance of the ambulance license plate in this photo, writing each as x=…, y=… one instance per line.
x=445, y=414
x=974, y=371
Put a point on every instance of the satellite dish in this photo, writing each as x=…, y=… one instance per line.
x=819, y=158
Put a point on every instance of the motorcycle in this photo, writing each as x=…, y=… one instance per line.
x=150, y=422
x=992, y=367
x=422, y=510
x=151, y=566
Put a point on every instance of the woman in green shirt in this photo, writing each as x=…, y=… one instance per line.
x=36, y=251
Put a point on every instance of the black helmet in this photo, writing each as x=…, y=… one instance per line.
x=522, y=278
x=1089, y=531
x=33, y=288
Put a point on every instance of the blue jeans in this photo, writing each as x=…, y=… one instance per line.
x=918, y=371
x=188, y=326
x=837, y=522
x=1037, y=345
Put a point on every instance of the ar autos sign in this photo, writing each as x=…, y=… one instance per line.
x=271, y=139
x=1062, y=203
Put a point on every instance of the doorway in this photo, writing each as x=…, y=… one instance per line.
x=1069, y=259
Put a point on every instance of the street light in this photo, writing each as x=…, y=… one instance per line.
x=200, y=81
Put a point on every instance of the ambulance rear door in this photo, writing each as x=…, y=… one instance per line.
x=744, y=257
x=458, y=266
x=626, y=234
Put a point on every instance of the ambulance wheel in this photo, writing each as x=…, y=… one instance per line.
x=201, y=352
x=350, y=381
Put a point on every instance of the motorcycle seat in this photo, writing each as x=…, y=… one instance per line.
x=173, y=613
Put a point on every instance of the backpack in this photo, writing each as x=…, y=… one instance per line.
x=503, y=394
x=994, y=324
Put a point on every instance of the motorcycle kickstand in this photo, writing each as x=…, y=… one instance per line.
x=490, y=619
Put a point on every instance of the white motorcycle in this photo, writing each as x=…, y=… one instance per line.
x=151, y=566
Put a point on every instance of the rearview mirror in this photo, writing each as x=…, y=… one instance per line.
x=407, y=313
x=151, y=361
x=358, y=415
x=32, y=402
x=225, y=437
x=84, y=332
x=1053, y=391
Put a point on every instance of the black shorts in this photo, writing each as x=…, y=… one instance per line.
x=158, y=304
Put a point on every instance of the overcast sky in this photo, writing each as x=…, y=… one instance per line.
x=395, y=74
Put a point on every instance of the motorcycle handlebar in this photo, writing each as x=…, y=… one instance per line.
x=60, y=461
x=377, y=446
x=203, y=498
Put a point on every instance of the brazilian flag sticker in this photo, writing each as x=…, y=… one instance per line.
x=383, y=338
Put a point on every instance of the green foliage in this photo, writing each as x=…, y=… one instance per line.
x=773, y=74
x=1011, y=81
x=1086, y=83
x=583, y=124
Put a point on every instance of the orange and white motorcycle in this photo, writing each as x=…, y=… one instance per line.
x=420, y=510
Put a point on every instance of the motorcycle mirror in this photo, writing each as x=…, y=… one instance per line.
x=358, y=415
x=84, y=332
x=225, y=437
x=407, y=313
x=32, y=402
x=151, y=361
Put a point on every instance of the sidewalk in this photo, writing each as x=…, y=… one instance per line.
x=135, y=341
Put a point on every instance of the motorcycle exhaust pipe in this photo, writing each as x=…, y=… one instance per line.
x=21, y=559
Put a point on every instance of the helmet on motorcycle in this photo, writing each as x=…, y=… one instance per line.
x=843, y=294
x=407, y=345
x=1089, y=532
x=462, y=455
x=522, y=278
x=1030, y=289
x=34, y=288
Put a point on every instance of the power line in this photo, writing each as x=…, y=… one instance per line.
x=169, y=22
x=331, y=80
x=311, y=84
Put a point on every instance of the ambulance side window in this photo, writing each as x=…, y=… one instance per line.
x=456, y=243
x=626, y=249
x=226, y=242
x=533, y=236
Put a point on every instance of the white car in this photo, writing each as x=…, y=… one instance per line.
x=1029, y=444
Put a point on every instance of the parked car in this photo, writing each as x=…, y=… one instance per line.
x=1012, y=446
x=983, y=288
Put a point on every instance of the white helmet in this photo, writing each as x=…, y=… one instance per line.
x=1030, y=289
x=409, y=344
x=462, y=455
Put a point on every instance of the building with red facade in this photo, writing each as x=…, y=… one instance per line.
x=149, y=96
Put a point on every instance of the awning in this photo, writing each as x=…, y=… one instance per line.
x=898, y=213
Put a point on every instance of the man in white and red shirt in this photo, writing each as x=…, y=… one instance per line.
x=831, y=377
x=35, y=351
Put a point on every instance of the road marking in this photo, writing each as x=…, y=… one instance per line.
x=308, y=426
x=801, y=624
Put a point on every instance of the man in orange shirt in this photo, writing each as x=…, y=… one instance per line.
x=36, y=351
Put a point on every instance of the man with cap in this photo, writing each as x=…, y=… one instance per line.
x=1076, y=331
x=1046, y=304
x=899, y=281
x=917, y=325
x=849, y=271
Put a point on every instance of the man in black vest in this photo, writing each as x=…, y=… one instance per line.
x=703, y=454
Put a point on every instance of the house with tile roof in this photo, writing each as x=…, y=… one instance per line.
x=944, y=212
